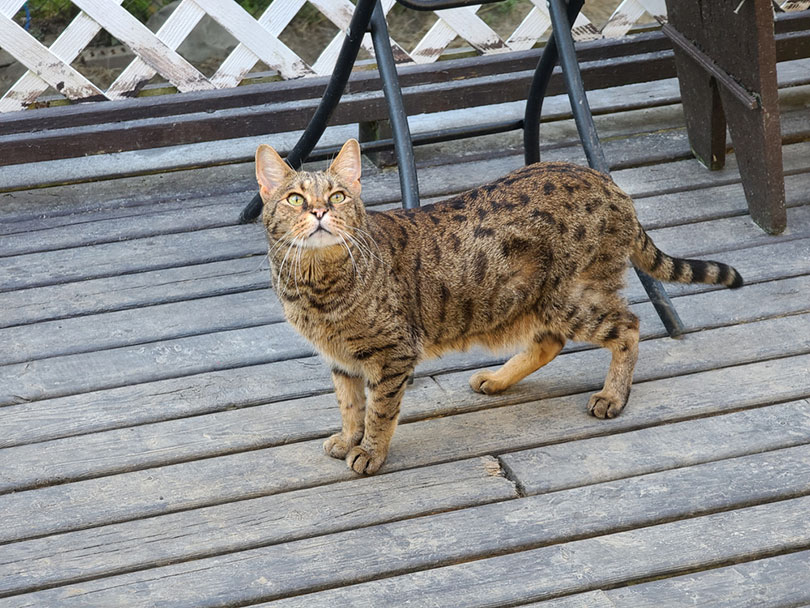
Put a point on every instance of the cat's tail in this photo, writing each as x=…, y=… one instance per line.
x=656, y=263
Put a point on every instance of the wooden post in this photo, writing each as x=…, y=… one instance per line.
x=726, y=60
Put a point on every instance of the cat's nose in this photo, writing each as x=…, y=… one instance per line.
x=319, y=213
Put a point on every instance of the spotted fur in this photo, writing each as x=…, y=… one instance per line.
x=532, y=260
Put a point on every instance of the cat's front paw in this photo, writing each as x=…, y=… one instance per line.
x=337, y=446
x=364, y=462
x=485, y=382
x=603, y=405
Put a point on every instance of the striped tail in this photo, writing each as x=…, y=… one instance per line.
x=656, y=263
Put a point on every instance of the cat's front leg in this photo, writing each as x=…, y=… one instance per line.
x=351, y=396
x=381, y=419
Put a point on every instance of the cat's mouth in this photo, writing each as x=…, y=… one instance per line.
x=319, y=228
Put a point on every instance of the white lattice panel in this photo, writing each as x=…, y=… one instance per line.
x=156, y=53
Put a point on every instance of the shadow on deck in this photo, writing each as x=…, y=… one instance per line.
x=161, y=424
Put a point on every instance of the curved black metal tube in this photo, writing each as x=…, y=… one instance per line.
x=436, y=5
x=334, y=90
x=537, y=91
x=576, y=90
x=403, y=145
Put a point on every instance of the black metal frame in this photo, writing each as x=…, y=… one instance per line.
x=368, y=16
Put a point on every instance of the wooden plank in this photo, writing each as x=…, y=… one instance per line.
x=388, y=549
x=57, y=376
x=95, y=296
x=152, y=253
x=232, y=388
x=763, y=582
x=139, y=326
x=256, y=522
x=589, y=599
x=567, y=465
x=214, y=211
x=583, y=565
x=116, y=225
x=280, y=117
x=173, y=250
x=71, y=374
x=774, y=581
x=186, y=484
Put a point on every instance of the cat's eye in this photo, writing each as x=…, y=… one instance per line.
x=337, y=197
x=296, y=200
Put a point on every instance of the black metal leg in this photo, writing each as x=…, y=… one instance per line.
x=403, y=144
x=334, y=90
x=564, y=45
x=537, y=91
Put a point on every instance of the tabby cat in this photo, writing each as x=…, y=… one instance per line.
x=533, y=259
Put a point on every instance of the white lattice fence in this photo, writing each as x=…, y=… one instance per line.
x=156, y=53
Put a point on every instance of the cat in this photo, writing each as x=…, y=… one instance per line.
x=533, y=259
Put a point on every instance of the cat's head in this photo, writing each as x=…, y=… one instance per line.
x=311, y=209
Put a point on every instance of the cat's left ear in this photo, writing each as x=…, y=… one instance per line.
x=271, y=170
x=348, y=164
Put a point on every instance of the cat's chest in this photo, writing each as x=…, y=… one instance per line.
x=327, y=335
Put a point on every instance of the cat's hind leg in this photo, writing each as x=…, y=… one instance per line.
x=617, y=331
x=351, y=396
x=544, y=347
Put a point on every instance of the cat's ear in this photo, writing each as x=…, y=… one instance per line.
x=348, y=164
x=271, y=170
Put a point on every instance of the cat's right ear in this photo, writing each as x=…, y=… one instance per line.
x=271, y=170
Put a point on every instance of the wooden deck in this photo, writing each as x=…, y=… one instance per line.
x=161, y=424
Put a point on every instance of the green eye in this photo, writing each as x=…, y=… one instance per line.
x=337, y=197
x=296, y=200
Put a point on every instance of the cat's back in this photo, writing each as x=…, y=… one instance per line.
x=561, y=204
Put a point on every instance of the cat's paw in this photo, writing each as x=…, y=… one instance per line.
x=364, y=462
x=602, y=405
x=337, y=446
x=485, y=382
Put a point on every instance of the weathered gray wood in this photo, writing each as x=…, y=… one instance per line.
x=96, y=296
x=152, y=253
x=221, y=390
x=775, y=581
x=234, y=476
x=234, y=241
x=142, y=325
x=713, y=202
x=584, y=565
x=84, y=372
x=357, y=555
x=182, y=319
x=589, y=599
x=560, y=466
x=250, y=523
x=124, y=225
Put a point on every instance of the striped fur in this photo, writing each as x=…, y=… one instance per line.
x=528, y=261
x=663, y=267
